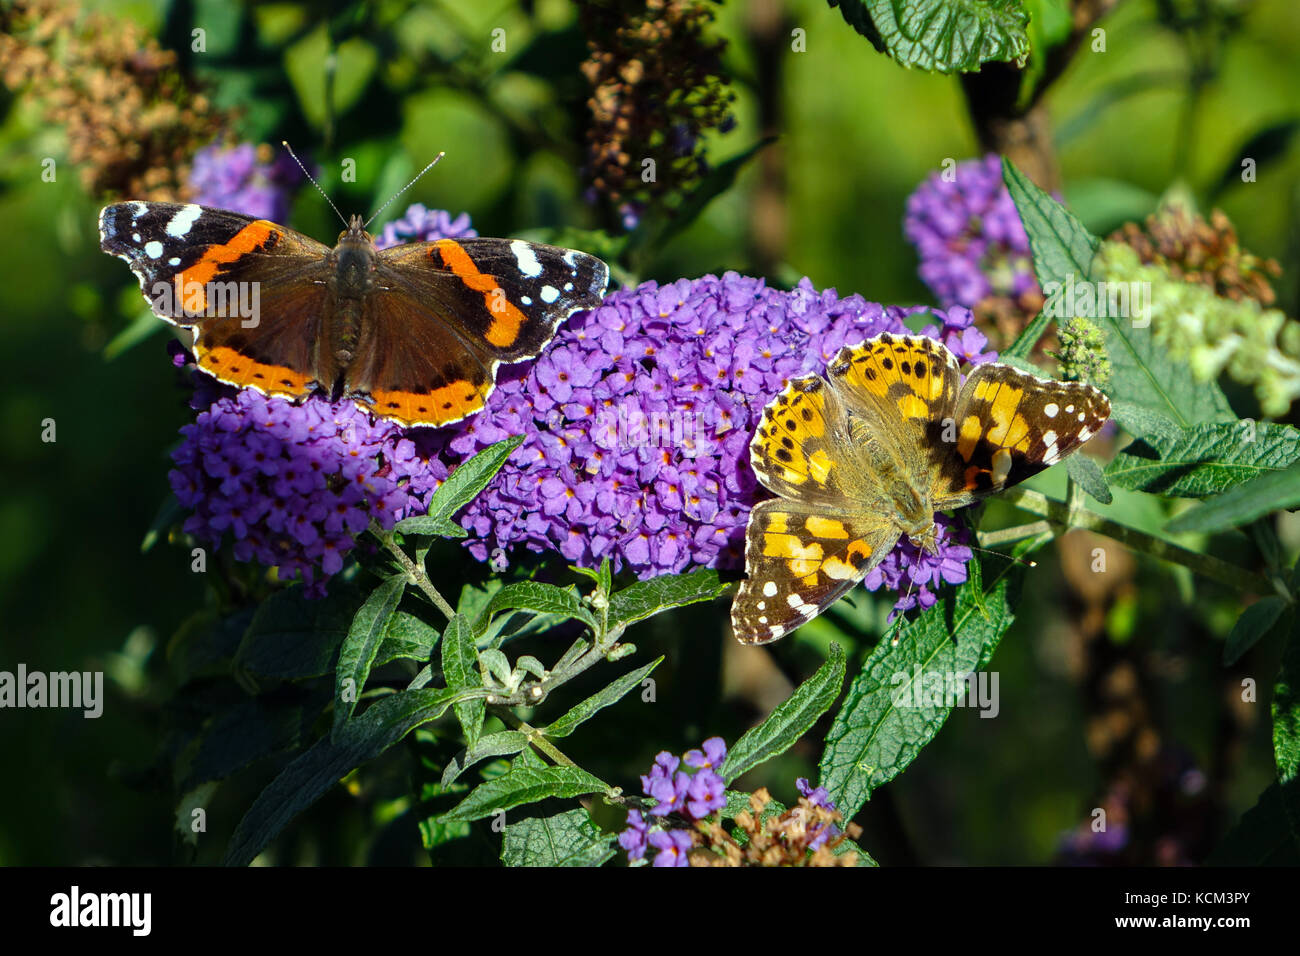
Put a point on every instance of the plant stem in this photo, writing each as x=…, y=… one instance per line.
x=1078, y=517
x=413, y=571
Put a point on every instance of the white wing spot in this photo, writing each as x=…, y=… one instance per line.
x=153, y=249
x=185, y=217
x=769, y=589
x=1050, y=409
x=526, y=259
x=526, y=300
x=550, y=294
x=136, y=237
x=174, y=261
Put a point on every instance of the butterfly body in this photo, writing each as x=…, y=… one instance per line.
x=414, y=333
x=869, y=453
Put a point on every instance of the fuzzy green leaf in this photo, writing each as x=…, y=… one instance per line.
x=611, y=694
x=520, y=785
x=790, y=720
x=1087, y=475
x=500, y=744
x=566, y=839
x=369, y=626
x=647, y=598
x=1205, y=459
x=461, y=487
x=535, y=596
x=942, y=36
x=306, y=778
x=1255, y=622
x=1286, y=728
x=888, y=714
x=460, y=668
x=292, y=637
x=1247, y=502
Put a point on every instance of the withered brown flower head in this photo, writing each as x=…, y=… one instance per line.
x=780, y=840
x=1203, y=252
x=657, y=85
x=133, y=120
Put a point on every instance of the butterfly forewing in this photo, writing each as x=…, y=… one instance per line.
x=1010, y=425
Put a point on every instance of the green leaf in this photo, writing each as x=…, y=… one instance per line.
x=943, y=36
x=1061, y=246
x=307, y=777
x=461, y=487
x=293, y=637
x=1255, y=622
x=1263, y=147
x=790, y=720
x=1247, y=502
x=407, y=637
x=535, y=596
x=362, y=644
x=500, y=744
x=1142, y=373
x=566, y=839
x=1205, y=459
x=612, y=694
x=520, y=785
x=647, y=598
x=460, y=668
x=1087, y=475
x=144, y=326
x=1262, y=837
x=1142, y=422
x=1286, y=728
x=169, y=513
x=888, y=714
x=253, y=728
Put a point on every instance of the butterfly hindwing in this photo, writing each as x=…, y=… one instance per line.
x=800, y=561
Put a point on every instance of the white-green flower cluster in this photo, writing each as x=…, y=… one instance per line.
x=1255, y=346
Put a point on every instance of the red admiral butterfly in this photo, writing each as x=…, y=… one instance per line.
x=414, y=333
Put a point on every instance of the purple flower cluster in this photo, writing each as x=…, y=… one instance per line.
x=245, y=178
x=419, y=224
x=637, y=421
x=693, y=796
x=969, y=235
x=293, y=484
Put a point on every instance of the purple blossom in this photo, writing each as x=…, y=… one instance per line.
x=969, y=235
x=634, y=838
x=705, y=793
x=637, y=422
x=419, y=224
x=710, y=758
x=246, y=179
x=693, y=796
x=294, y=484
x=673, y=847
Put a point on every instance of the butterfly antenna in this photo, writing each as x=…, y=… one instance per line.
x=1010, y=557
x=285, y=144
x=407, y=186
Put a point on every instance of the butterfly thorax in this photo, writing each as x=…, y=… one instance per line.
x=351, y=278
x=914, y=515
